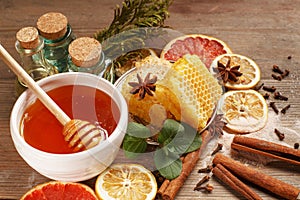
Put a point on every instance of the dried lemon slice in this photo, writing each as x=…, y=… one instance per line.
x=126, y=182
x=245, y=111
x=249, y=69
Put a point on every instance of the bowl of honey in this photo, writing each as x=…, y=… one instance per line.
x=37, y=134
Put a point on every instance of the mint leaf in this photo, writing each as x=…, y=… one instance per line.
x=169, y=131
x=178, y=137
x=138, y=130
x=171, y=171
x=194, y=139
x=196, y=144
x=178, y=145
x=167, y=163
x=134, y=146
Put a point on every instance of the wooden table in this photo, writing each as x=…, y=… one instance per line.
x=264, y=30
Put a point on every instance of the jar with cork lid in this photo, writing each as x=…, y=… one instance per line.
x=57, y=34
x=86, y=55
x=30, y=46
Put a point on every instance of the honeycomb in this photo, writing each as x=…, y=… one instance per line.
x=195, y=87
x=185, y=91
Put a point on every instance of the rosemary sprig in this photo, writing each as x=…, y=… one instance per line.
x=132, y=25
x=134, y=14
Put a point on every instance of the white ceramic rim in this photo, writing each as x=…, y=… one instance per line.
x=122, y=121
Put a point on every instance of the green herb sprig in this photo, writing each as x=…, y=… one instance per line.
x=135, y=14
x=175, y=139
x=128, y=31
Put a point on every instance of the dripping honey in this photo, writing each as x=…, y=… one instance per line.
x=43, y=131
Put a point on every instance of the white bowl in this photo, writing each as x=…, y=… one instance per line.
x=76, y=166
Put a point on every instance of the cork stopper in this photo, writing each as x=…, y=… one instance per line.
x=85, y=51
x=52, y=25
x=28, y=37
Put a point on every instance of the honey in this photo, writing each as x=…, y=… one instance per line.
x=43, y=131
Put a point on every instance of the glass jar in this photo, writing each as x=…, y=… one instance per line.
x=30, y=46
x=86, y=55
x=57, y=34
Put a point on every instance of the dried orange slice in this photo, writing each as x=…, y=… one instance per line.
x=204, y=46
x=60, y=190
x=244, y=111
x=126, y=182
x=249, y=69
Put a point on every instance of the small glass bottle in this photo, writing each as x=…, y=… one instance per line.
x=57, y=34
x=30, y=45
x=86, y=55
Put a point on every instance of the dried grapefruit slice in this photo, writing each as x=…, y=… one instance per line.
x=206, y=47
x=126, y=182
x=249, y=69
x=54, y=190
x=245, y=111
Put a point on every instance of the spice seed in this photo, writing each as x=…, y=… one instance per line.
x=296, y=145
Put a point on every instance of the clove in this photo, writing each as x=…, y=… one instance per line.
x=206, y=169
x=203, y=180
x=266, y=95
x=259, y=87
x=279, y=134
x=286, y=73
x=207, y=188
x=274, y=107
x=277, y=69
x=218, y=148
x=269, y=89
x=277, y=95
x=277, y=77
x=283, y=110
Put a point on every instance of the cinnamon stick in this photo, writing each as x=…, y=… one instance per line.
x=170, y=188
x=267, y=182
x=188, y=165
x=265, y=148
x=162, y=188
x=227, y=177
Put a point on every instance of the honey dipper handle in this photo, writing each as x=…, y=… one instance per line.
x=31, y=84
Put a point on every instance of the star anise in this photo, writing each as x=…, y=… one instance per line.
x=143, y=87
x=228, y=72
x=217, y=125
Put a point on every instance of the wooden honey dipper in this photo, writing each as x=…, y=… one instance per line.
x=78, y=133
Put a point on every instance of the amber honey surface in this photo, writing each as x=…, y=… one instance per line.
x=43, y=131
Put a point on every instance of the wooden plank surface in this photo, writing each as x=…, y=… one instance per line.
x=265, y=30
